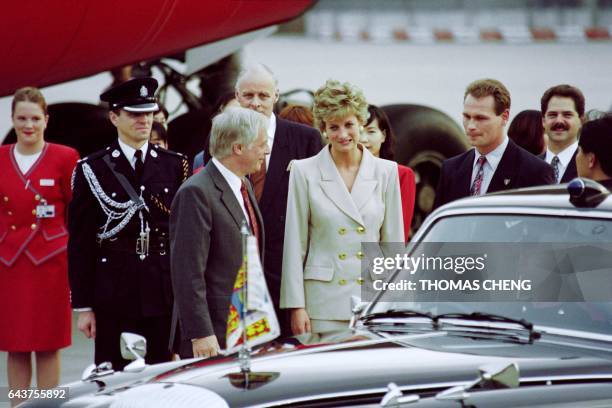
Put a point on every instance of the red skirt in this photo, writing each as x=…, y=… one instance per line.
x=35, y=310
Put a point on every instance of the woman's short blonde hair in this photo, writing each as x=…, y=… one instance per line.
x=337, y=100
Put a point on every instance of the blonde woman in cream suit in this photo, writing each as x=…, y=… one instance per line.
x=338, y=199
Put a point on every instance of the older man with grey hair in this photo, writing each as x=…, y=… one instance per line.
x=257, y=89
x=205, y=221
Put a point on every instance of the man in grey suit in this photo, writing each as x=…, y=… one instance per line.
x=205, y=221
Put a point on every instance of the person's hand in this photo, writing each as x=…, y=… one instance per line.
x=205, y=346
x=86, y=323
x=300, y=322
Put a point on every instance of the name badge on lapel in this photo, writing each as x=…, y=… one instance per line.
x=47, y=182
x=44, y=210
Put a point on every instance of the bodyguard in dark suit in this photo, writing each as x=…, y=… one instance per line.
x=206, y=218
x=118, y=251
x=562, y=112
x=257, y=89
x=496, y=163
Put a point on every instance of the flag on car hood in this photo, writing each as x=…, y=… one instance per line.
x=260, y=320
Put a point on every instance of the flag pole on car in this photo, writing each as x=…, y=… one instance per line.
x=251, y=320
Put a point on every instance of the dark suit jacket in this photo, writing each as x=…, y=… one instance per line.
x=291, y=141
x=517, y=168
x=570, y=172
x=206, y=253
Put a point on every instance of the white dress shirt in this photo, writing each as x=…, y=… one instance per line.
x=493, y=159
x=235, y=184
x=271, y=131
x=25, y=161
x=565, y=156
x=129, y=151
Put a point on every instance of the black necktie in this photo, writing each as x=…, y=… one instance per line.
x=139, y=166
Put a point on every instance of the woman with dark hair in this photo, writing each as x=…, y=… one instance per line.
x=526, y=130
x=378, y=137
x=34, y=293
x=161, y=115
x=159, y=135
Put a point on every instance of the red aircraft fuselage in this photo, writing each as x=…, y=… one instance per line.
x=45, y=43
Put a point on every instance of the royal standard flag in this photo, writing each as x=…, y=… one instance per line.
x=260, y=320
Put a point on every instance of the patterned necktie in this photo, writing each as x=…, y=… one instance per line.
x=258, y=179
x=555, y=165
x=139, y=165
x=251, y=212
x=475, y=190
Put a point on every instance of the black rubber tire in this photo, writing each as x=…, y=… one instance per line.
x=425, y=137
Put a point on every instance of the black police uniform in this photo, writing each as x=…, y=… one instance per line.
x=118, y=258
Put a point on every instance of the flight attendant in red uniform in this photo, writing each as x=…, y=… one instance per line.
x=34, y=296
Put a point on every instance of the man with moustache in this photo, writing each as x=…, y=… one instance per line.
x=257, y=89
x=496, y=163
x=562, y=112
x=594, y=155
x=205, y=229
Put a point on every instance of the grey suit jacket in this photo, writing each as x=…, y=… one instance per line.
x=206, y=252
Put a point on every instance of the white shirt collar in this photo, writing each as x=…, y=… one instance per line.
x=271, y=132
x=565, y=155
x=129, y=151
x=232, y=179
x=234, y=182
x=494, y=156
x=271, y=129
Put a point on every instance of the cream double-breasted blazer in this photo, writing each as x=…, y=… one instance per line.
x=325, y=226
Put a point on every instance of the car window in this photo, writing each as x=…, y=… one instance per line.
x=592, y=316
x=519, y=228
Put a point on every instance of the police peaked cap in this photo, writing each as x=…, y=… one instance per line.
x=134, y=95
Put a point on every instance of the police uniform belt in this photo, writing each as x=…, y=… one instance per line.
x=157, y=244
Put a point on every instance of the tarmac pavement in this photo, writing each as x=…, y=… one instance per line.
x=74, y=359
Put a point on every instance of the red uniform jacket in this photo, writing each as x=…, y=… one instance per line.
x=47, y=180
x=408, y=192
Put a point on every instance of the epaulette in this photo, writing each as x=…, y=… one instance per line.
x=170, y=152
x=95, y=155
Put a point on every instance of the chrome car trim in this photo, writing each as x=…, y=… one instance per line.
x=380, y=390
x=576, y=377
x=575, y=333
x=405, y=388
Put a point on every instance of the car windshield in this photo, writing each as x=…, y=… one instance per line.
x=574, y=237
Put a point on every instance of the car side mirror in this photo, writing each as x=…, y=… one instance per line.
x=491, y=376
x=133, y=347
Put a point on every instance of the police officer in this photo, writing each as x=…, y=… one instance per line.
x=118, y=259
